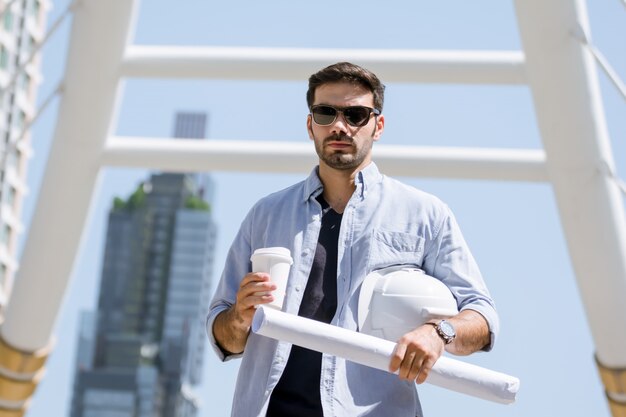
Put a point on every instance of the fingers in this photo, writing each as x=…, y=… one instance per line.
x=255, y=288
x=415, y=355
x=411, y=364
x=397, y=357
x=254, y=277
x=424, y=370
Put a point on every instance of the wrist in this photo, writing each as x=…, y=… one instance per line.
x=444, y=329
x=230, y=332
x=237, y=321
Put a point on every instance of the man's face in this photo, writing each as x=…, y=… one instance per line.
x=340, y=145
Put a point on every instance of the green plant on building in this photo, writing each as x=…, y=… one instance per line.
x=137, y=199
x=196, y=203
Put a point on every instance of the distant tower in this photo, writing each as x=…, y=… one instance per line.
x=141, y=353
x=190, y=125
x=193, y=125
x=22, y=27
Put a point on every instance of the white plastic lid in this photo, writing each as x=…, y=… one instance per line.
x=276, y=251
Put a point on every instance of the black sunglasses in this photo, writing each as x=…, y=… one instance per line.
x=356, y=116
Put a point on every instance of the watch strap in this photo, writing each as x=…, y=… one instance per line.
x=447, y=339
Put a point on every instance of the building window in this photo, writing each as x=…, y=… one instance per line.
x=3, y=275
x=4, y=57
x=36, y=7
x=8, y=20
x=30, y=45
x=20, y=120
x=10, y=196
x=5, y=235
x=13, y=159
x=24, y=81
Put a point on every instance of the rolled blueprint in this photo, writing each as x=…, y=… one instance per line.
x=375, y=352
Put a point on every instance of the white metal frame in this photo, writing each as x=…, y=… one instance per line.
x=555, y=64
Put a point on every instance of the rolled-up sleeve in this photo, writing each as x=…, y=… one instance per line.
x=449, y=259
x=237, y=265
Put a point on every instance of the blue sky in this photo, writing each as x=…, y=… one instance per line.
x=512, y=228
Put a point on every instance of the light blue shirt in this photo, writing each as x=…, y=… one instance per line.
x=385, y=223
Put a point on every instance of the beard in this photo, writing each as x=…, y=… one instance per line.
x=344, y=159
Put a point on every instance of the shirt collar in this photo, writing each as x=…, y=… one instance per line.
x=312, y=185
x=365, y=178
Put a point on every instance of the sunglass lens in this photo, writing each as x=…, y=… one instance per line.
x=324, y=115
x=357, y=116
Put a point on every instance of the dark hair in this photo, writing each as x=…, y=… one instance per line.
x=347, y=72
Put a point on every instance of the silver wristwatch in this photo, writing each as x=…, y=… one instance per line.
x=445, y=330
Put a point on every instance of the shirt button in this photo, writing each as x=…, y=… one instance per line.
x=306, y=252
x=298, y=288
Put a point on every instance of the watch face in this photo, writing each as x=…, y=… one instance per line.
x=447, y=329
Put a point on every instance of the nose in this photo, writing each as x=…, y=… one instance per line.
x=340, y=125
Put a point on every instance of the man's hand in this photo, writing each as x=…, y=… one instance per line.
x=417, y=351
x=255, y=289
x=232, y=326
x=416, y=354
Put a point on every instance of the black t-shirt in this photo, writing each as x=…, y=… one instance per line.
x=298, y=391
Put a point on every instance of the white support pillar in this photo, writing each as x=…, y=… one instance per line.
x=192, y=155
x=563, y=79
x=98, y=39
x=392, y=65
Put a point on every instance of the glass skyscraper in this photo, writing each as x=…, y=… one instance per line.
x=141, y=352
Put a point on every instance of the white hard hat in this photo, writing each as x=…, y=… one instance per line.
x=395, y=300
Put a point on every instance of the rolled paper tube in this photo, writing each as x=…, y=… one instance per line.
x=375, y=352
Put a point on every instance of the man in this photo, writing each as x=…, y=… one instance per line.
x=344, y=221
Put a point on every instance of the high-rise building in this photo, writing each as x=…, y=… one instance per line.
x=190, y=125
x=22, y=26
x=141, y=352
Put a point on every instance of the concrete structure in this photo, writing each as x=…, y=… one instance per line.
x=555, y=63
x=22, y=28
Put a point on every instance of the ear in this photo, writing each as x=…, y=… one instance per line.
x=309, y=127
x=379, y=127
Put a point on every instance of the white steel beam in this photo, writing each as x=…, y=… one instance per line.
x=569, y=110
x=392, y=65
x=98, y=40
x=192, y=155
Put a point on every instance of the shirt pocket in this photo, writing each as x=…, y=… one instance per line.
x=390, y=248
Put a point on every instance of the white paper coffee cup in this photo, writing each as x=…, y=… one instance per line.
x=275, y=261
